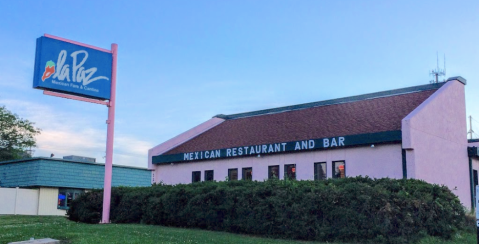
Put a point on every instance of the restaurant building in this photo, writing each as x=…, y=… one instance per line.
x=416, y=132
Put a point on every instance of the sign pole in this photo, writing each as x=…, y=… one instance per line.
x=56, y=80
x=109, y=140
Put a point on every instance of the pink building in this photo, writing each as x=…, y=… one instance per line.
x=416, y=132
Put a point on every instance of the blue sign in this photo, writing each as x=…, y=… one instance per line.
x=69, y=68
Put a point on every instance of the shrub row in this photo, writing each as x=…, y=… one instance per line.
x=352, y=209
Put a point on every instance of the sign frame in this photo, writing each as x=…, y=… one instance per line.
x=111, y=117
x=73, y=68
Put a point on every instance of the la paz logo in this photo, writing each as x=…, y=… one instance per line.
x=49, y=70
x=79, y=73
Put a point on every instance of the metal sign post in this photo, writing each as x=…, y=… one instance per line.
x=80, y=85
x=109, y=141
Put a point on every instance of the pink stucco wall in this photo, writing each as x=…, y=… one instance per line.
x=181, y=138
x=434, y=135
x=475, y=161
x=473, y=144
x=380, y=161
x=475, y=164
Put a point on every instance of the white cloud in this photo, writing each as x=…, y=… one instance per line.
x=65, y=133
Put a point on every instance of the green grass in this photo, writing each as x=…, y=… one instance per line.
x=20, y=228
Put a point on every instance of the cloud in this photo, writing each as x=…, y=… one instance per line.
x=66, y=133
x=132, y=145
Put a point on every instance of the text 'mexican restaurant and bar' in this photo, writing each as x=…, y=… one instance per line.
x=416, y=132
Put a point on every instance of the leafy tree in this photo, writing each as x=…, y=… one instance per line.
x=17, y=135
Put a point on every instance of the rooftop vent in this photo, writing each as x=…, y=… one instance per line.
x=80, y=159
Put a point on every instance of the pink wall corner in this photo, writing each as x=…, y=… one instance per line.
x=410, y=164
x=181, y=138
x=378, y=162
x=475, y=161
x=473, y=144
x=475, y=164
x=435, y=134
x=406, y=133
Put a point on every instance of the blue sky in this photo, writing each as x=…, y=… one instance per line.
x=182, y=62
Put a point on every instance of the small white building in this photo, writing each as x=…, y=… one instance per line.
x=46, y=186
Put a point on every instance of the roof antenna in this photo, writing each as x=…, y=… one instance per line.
x=470, y=132
x=438, y=72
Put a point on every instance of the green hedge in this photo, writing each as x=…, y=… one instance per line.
x=351, y=210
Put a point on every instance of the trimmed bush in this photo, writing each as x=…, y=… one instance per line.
x=350, y=210
x=87, y=207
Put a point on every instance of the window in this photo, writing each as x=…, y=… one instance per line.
x=290, y=171
x=273, y=172
x=196, y=176
x=247, y=173
x=232, y=174
x=339, y=168
x=320, y=171
x=474, y=174
x=208, y=175
x=66, y=196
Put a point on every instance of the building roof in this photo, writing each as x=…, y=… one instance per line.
x=66, y=161
x=51, y=172
x=363, y=114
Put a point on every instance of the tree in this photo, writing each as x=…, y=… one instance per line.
x=17, y=135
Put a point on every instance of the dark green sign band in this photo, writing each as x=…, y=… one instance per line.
x=282, y=147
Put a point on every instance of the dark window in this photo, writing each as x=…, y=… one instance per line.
x=247, y=173
x=320, y=171
x=339, y=168
x=290, y=171
x=232, y=174
x=62, y=199
x=208, y=175
x=474, y=172
x=475, y=178
x=273, y=172
x=66, y=196
x=196, y=176
x=69, y=198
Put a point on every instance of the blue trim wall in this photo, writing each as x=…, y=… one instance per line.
x=66, y=173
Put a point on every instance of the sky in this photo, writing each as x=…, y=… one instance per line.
x=182, y=62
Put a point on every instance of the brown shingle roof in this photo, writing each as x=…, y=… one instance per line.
x=377, y=112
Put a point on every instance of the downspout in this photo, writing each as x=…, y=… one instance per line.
x=404, y=164
x=471, y=181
